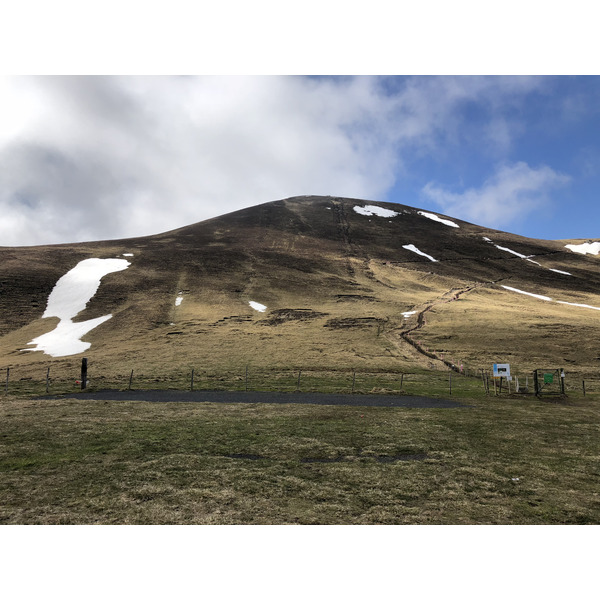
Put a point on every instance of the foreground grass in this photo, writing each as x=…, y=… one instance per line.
x=505, y=461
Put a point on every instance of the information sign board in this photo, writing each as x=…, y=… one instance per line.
x=502, y=370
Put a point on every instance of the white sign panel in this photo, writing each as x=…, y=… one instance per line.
x=502, y=370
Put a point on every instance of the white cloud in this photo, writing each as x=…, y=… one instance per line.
x=84, y=158
x=89, y=158
x=511, y=193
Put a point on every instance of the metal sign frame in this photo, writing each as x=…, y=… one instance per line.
x=543, y=378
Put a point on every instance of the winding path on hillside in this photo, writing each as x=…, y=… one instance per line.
x=449, y=296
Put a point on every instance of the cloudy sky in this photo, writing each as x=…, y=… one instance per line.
x=98, y=157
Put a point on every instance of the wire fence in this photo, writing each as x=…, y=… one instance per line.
x=59, y=381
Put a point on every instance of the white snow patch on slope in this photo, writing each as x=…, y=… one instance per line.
x=527, y=293
x=257, y=306
x=561, y=272
x=580, y=305
x=438, y=219
x=511, y=251
x=550, y=299
x=407, y=314
x=65, y=339
x=179, y=300
x=128, y=254
x=413, y=248
x=68, y=298
x=585, y=248
x=370, y=210
x=74, y=289
x=527, y=258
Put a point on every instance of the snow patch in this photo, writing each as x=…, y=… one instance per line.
x=407, y=314
x=370, y=210
x=561, y=272
x=438, y=219
x=580, y=305
x=550, y=299
x=585, y=248
x=68, y=298
x=179, y=299
x=413, y=248
x=74, y=289
x=128, y=254
x=511, y=251
x=527, y=293
x=65, y=339
x=527, y=258
x=257, y=306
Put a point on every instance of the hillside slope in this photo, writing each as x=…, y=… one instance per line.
x=314, y=282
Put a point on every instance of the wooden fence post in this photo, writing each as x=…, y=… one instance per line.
x=298, y=384
x=7, y=373
x=130, y=379
x=83, y=373
x=583, y=384
x=246, y=377
x=401, y=380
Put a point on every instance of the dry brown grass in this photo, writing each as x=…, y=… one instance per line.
x=297, y=255
x=502, y=461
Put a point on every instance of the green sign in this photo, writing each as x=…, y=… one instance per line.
x=548, y=377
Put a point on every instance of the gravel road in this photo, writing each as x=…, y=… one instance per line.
x=266, y=397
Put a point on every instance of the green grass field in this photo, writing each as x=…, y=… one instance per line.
x=501, y=460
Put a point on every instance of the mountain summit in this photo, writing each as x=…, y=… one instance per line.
x=314, y=282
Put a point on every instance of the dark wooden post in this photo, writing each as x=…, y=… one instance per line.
x=246, y=377
x=84, y=373
x=130, y=379
x=401, y=380
x=536, y=383
x=7, y=373
x=583, y=384
x=298, y=384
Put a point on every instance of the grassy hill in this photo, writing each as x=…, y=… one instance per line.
x=338, y=282
x=342, y=290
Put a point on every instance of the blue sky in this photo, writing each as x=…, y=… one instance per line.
x=87, y=158
x=550, y=126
